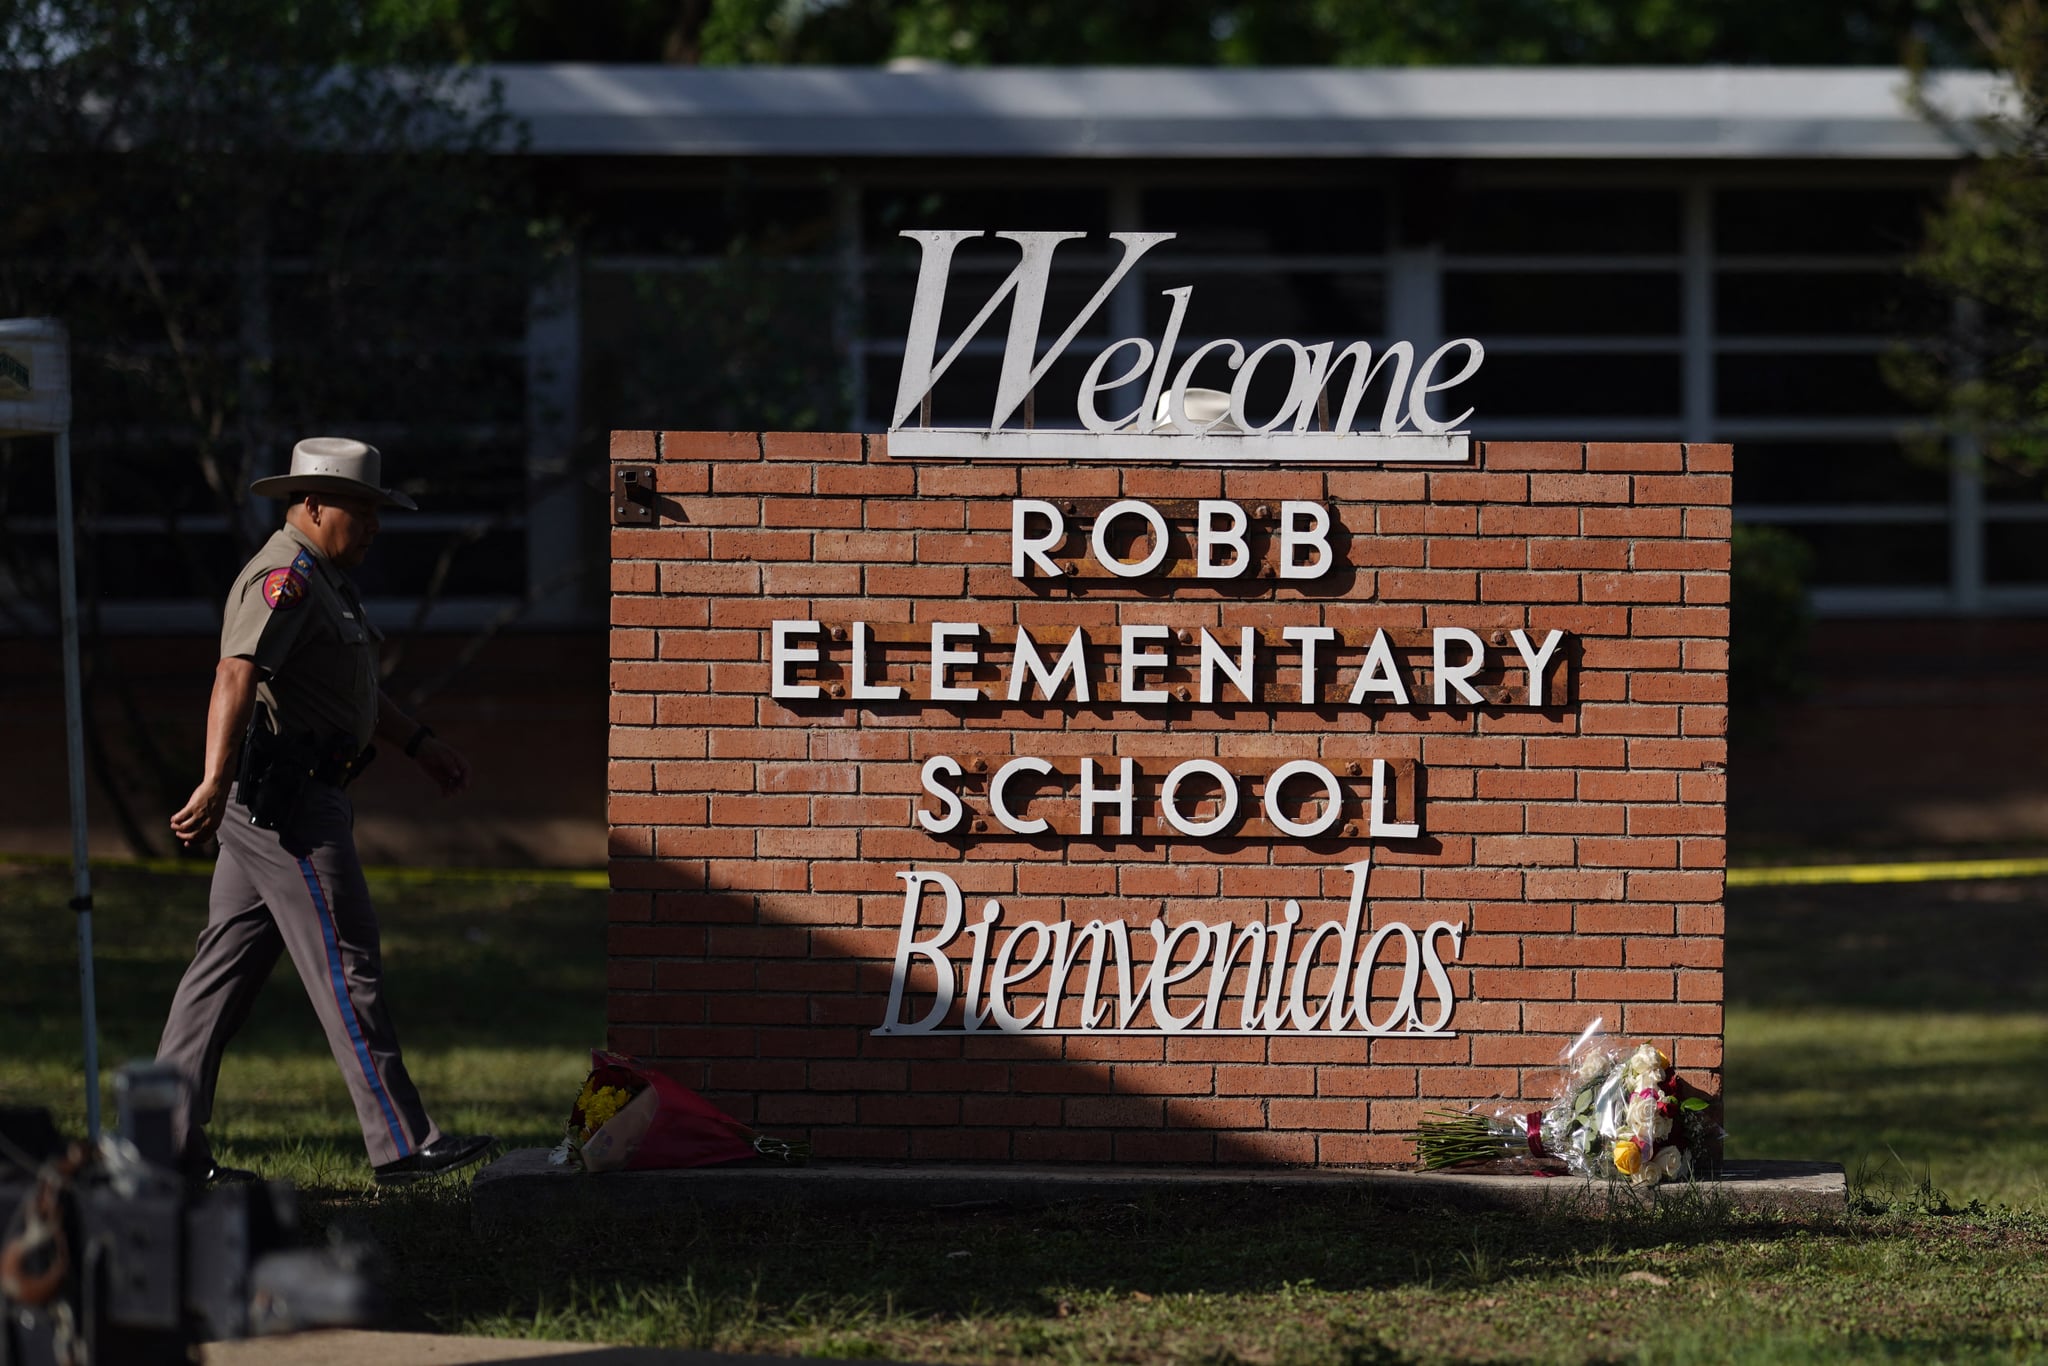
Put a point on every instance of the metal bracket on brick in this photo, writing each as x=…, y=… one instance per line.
x=633, y=495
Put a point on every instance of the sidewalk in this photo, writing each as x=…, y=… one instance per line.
x=523, y=1189
x=349, y=1348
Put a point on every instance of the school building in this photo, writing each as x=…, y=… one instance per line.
x=1659, y=255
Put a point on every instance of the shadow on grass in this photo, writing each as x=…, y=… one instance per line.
x=1956, y=946
x=510, y=980
x=1026, y=1261
x=476, y=965
x=1307, y=1275
x=1894, y=1027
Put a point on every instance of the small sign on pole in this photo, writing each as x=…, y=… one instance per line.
x=35, y=377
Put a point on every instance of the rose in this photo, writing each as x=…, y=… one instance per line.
x=1591, y=1066
x=1663, y=1128
x=1641, y=1113
x=1648, y=1059
x=1628, y=1156
x=1664, y=1166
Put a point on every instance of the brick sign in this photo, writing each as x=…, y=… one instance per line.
x=1122, y=812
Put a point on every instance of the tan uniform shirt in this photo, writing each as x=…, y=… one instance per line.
x=299, y=619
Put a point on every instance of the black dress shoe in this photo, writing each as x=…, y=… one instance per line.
x=217, y=1175
x=436, y=1159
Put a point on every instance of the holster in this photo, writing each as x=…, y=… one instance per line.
x=274, y=773
x=277, y=769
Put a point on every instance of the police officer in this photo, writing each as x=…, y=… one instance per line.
x=295, y=705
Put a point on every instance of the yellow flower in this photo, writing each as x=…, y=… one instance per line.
x=600, y=1105
x=1628, y=1156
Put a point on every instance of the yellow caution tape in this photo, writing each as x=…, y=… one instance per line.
x=597, y=879
x=1843, y=874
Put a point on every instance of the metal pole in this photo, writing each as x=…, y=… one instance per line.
x=74, y=754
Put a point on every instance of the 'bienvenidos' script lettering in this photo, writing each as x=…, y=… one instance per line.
x=1041, y=977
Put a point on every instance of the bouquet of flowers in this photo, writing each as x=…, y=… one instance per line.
x=1617, y=1115
x=630, y=1117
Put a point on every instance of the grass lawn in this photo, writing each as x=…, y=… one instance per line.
x=1902, y=1031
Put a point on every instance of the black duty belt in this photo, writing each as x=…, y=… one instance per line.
x=276, y=768
x=343, y=766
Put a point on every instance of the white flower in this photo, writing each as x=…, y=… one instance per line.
x=1591, y=1066
x=1664, y=1165
x=1642, y=1114
x=1663, y=1129
x=1648, y=1061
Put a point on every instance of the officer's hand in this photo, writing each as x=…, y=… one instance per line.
x=444, y=764
x=201, y=815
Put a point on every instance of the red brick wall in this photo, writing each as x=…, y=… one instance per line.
x=755, y=845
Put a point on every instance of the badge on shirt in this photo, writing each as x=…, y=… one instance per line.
x=284, y=589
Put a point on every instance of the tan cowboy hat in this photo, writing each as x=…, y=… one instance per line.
x=334, y=464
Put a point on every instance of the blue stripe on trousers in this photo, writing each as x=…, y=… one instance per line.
x=348, y=1010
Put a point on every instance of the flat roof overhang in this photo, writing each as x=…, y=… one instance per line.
x=1181, y=113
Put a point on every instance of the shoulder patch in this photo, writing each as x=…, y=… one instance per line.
x=302, y=564
x=284, y=589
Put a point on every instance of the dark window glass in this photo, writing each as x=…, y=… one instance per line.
x=338, y=389
x=155, y=567
x=1267, y=220
x=455, y=469
x=1308, y=306
x=111, y=312
x=708, y=220
x=28, y=485
x=403, y=564
x=1847, y=555
x=978, y=271
x=966, y=395
x=746, y=346
x=1803, y=386
x=2004, y=484
x=1782, y=303
x=1581, y=222
x=1835, y=472
x=157, y=477
x=144, y=397
x=1510, y=386
x=888, y=210
x=28, y=577
x=2016, y=552
x=1578, y=304
x=1821, y=221
x=416, y=308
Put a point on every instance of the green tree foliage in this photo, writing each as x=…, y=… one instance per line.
x=1768, y=620
x=1182, y=32
x=1987, y=249
x=259, y=222
x=247, y=232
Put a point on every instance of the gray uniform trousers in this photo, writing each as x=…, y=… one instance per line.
x=300, y=889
